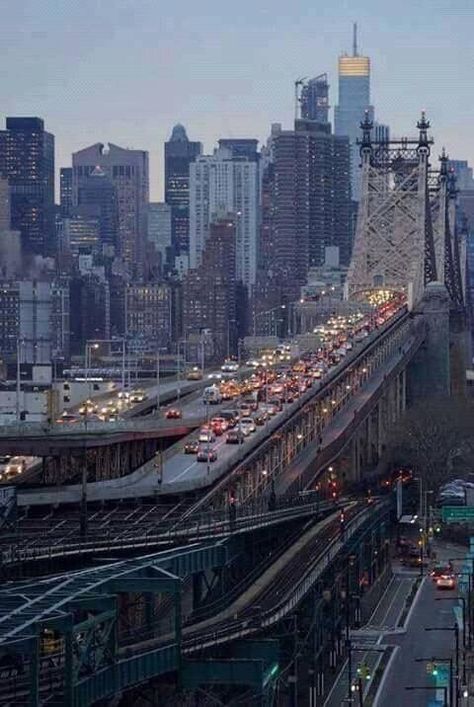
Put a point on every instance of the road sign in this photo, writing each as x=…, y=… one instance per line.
x=458, y=514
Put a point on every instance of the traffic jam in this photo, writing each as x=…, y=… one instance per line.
x=276, y=381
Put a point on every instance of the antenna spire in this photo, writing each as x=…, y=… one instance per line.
x=354, y=39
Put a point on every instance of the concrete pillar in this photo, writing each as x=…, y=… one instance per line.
x=429, y=372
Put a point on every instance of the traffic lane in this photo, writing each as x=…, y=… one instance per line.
x=418, y=643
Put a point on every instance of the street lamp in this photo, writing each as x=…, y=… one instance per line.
x=454, y=628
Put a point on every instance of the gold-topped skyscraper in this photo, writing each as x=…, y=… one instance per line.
x=354, y=100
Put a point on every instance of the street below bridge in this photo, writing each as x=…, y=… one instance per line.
x=405, y=669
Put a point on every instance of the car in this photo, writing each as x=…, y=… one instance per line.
x=207, y=436
x=230, y=416
x=173, y=414
x=247, y=425
x=440, y=570
x=191, y=447
x=215, y=376
x=234, y=436
x=229, y=366
x=137, y=396
x=218, y=425
x=260, y=418
x=67, y=417
x=445, y=581
x=195, y=374
x=206, y=454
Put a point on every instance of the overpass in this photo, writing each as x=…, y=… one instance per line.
x=184, y=630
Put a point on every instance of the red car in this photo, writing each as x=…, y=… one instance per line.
x=173, y=414
x=218, y=425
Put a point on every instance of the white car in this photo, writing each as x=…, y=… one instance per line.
x=247, y=425
x=207, y=436
x=230, y=367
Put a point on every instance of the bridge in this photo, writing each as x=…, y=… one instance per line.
x=239, y=576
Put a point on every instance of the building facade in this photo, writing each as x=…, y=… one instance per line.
x=148, y=317
x=128, y=172
x=314, y=99
x=160, y=232
x=65, y=191
x=220, y=184
x=27, y=162
x=310, y=202
x=179, y=154
x=210, y=290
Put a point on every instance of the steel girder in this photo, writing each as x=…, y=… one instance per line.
x=394, y=241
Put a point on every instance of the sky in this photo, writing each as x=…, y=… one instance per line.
x=125, y=71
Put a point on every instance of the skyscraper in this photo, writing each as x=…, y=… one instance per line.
x=221, y=184
x=27, y=161
x=314, y=99
x=354, y=101
x=128, y=172
x=159, y=231
x=179, y=154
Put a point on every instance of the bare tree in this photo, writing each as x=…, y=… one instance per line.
x=433, y=436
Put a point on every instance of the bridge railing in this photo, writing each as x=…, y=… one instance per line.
x=201, y=526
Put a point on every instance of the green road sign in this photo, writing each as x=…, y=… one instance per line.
x=457, y=514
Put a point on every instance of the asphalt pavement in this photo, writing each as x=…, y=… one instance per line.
x=404, y=671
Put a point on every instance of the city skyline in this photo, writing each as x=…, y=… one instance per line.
x=71, y=70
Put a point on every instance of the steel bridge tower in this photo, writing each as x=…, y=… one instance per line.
x=406, y=235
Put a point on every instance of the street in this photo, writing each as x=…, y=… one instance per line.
x=404, y=671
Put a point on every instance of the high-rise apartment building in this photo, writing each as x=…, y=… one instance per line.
x=221, y=184
x=210, y=290
x=34, y=320
x=314, y=99
x=128, y=172
x=354, y=101
x=65, y=190
x=27, y=161
x=310, y=201
x=180, y=152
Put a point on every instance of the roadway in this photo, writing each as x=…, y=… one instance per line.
x=181, y=472
x=403, y=670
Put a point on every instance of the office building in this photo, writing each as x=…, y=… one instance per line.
x=210, y=290
x=160, y=232
x=148, y=317
x=65, y=191
x=127, y=170
x=353, y=102
x=246, y=148
x=10, y=241
x=220, y=183
x=314, y=99
x=27, y=162
x=81, y=234
x=97, y=198
x=179, y=154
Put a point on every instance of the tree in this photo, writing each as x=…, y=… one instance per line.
x=434, y=437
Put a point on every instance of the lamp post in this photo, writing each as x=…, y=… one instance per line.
x=454, y=628
x=19, y=344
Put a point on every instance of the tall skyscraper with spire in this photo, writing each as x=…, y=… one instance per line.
x=354, y=100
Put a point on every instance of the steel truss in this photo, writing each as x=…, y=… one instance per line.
x=404, y=237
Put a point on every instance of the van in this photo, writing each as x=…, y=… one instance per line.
x=212, y=395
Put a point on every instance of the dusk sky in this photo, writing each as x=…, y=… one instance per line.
x=125, y=71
